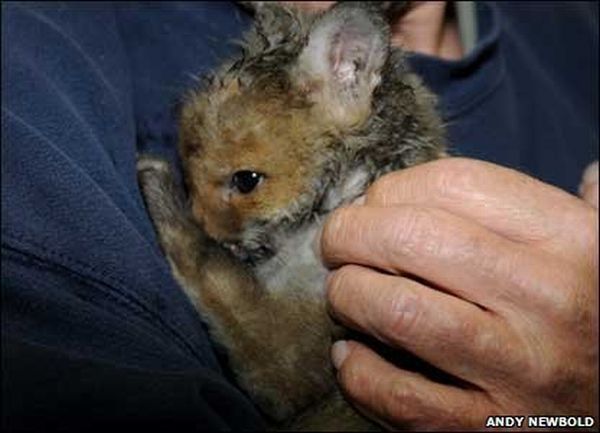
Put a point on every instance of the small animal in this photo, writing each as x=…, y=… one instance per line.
x=317, y=107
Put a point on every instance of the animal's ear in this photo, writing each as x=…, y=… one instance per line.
x=341, y=64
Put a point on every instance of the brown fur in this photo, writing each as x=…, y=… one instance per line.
x=322, y=107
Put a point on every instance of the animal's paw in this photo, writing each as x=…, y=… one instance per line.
x=153, y=173
x=151, y=163
x=160, y=193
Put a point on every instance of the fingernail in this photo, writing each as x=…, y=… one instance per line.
x=339, y=353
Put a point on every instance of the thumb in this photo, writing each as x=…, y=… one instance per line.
x=588, y=189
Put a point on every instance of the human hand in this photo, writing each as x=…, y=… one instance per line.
x=506, y=300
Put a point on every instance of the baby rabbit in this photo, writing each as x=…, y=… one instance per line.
x=316, y=109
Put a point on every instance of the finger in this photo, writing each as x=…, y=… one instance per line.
x=590, y=175
x=449, y=333
x=459, y=256
x=588, y=190
x=503, y=200
x=405, y=399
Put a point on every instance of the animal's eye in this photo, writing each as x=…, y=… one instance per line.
x=246, y=180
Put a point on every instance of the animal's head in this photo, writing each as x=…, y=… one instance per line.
x=258, y=142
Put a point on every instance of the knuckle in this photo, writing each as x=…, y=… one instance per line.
x=414, y=231
x=500, y=355
x=401, y=319
x=506, y=355
x=566, y=297
x=472, y=331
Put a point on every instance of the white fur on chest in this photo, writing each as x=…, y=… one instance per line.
x=295, y=267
